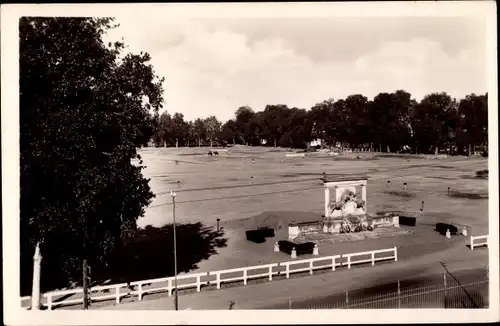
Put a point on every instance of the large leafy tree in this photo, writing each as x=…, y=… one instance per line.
x=85, y=108
x=433, y=120
x=275, y=120
x=388, y=118
x=200, y=130
x=473, y=111
x=244, y=115
x=321, y=117
x=229, y=132
x=212, y=127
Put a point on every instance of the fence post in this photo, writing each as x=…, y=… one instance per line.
x=333, y=263
x=270, y=273
x=198, y=283
x=139, y=290
x=245, y=277
x=169, y=287
x=373, y=258
x=395, y=253
x=399, y=296
x=311, y=267
x=349, y=262
x=287, y=271
x=117, y=290
x=49, y=302
x=471, y=242
x=218, y=280
x=445, y=294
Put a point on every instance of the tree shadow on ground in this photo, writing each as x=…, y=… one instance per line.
x=401, y=194
x=151, y=253
x=468, y=195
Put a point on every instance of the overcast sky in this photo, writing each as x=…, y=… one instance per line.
x=212, y=66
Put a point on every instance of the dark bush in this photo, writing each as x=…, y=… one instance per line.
x=300, y=248
x=485, y=154
x=407, y=220
x=442, y=227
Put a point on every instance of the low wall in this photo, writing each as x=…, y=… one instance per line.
x=296, y=229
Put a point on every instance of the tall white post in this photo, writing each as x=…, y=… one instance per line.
x=35, y=293
x=327, y=200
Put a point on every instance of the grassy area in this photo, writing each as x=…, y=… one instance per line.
x=250, y=187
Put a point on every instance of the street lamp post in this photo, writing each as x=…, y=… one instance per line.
x=176, y=298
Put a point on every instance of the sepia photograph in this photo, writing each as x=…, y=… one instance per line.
x=250, y=163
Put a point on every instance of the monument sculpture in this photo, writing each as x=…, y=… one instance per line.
x=346, y=212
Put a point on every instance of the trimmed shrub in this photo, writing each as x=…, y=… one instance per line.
x=408, y=220
x=259, y=235
x=300, y=248
x=266, y=232
x=442, y=227
x=255, y=236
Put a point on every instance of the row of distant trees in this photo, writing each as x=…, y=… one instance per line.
x=389, y=122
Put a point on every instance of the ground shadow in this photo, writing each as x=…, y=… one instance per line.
x=402, y=194
x=468, y=195
x=151, y=253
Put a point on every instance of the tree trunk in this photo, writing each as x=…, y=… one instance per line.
x=85, y=285
x=436, y=151
x=188, y=142
x=388, y=149
x=176, y=143
x=470, y=150
x=210, y=142
x=35, y=293
x=274, y=142
x=199, y=142
x=380, y=148
x=234, y=140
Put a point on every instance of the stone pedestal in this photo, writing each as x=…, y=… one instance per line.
x=464, y=232
x=294, y=253
x=325, y=228
x=448, y=234
x=316, y=250
x=276, y=247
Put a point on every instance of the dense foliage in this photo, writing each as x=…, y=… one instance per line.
x=390, y=122
x=85, y=107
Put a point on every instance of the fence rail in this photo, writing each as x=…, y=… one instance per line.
x=478, y=241
x=197, y=281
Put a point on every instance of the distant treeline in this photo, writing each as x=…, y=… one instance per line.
x=390, y=122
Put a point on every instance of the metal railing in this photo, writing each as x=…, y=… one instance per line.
x=472, y=295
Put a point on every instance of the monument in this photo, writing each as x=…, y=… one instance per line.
x=345, y=210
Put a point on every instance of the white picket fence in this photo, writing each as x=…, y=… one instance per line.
x=197, y=281
x=478, y=241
